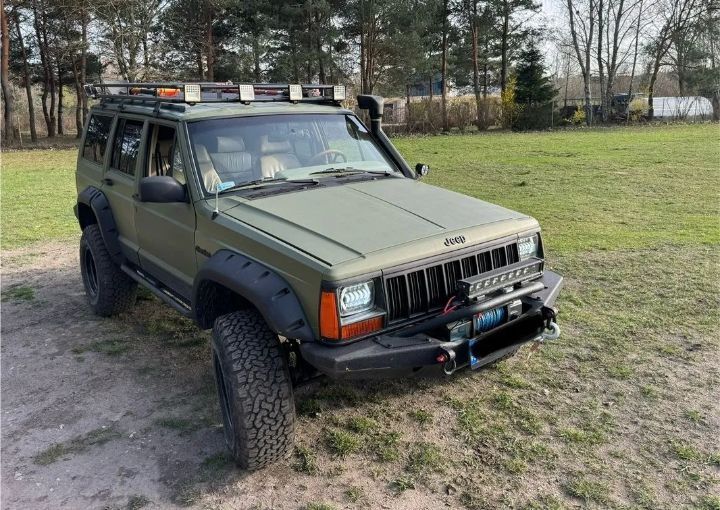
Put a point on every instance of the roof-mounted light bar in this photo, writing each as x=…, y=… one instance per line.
x=193, y=93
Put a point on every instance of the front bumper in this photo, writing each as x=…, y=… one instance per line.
x=410, y=349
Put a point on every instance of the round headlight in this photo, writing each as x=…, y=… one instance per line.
x=528, y=247
x=357, y=298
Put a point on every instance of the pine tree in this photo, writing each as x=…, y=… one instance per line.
x=533, y=87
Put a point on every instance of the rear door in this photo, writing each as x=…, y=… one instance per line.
x=166, y=232
x=120, y=180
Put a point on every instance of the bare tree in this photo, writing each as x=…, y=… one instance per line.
x=582, y=41
x=674, y=17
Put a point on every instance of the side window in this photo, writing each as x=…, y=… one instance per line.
x=163, y=154
x=96, y=138
x=127, y=145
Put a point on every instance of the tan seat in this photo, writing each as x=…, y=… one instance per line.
x=208, y=174
x=231, y=161
x=276, y=156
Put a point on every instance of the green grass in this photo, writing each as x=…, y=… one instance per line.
x=609, y=189
x=76, y=445
x=17, y=293
x=38, y=194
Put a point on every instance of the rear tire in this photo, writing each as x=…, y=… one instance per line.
x=109, y=290
x=254, y=388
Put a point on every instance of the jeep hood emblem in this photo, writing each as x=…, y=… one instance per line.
x=450, y=241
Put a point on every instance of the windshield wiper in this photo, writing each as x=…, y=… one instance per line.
x=350, y=170
x=260, y=182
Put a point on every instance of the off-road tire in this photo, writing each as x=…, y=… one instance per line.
x=109, y=290
x=254, y=388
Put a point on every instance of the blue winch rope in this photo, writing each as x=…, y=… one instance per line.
x=490, y=319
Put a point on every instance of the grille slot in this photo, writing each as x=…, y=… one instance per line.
x=429, y=288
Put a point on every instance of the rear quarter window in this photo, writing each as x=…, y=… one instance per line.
x=96, y=138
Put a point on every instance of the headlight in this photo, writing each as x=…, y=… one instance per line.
x=357, y=298
x=528, y=247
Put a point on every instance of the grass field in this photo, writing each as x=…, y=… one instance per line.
x=621, y=412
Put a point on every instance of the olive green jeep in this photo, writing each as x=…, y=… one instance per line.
x=274, y=216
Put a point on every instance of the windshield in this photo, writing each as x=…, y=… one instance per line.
x=275, y=148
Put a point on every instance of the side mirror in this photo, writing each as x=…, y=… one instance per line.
x=421, y=169
x=161, y=189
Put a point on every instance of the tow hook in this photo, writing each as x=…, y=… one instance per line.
x=552, y=330
x=447, y=358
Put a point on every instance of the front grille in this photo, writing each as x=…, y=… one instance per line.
x=423, y=290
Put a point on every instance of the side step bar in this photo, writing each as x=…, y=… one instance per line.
x=165, y=294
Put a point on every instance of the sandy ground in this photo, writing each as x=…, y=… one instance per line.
x=113, y=414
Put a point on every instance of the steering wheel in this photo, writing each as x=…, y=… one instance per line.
x=330, y=155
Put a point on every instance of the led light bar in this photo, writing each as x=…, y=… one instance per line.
x=295, y=92
x=246, y=93
x=481, y=285
x=193, y=93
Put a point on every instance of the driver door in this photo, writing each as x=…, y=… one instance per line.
x=166, y=231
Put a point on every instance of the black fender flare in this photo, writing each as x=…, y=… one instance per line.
x=98, y=203
x=257, y=284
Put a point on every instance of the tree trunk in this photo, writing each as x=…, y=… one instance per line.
x=83, y=63
x=476, y=67
x=408, y=120
x=715, y=100
x=318, y=49
x=42, y=51
x=445, y=120
x=635, y=51
x=61, y=97
x=256, y=57
x=26, y=79
x=601, y=74
x=11, y=130
x=210, y=50
x=504, y=46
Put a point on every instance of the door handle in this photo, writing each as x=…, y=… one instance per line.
x=108, y=181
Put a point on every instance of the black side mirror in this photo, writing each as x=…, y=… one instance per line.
x=421, y=169
x=161, y=189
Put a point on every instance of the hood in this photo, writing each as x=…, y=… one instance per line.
x=336, y=224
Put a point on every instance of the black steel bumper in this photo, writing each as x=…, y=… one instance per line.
x=410, y=349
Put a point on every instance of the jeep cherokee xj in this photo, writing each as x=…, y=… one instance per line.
x=274, y=216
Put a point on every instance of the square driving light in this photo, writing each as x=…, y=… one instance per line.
x=246, y=93
x=295, y=92
x=338, y=93
x=192, y=93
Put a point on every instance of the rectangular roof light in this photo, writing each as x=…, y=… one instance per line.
x=193, y=93
x=246, y=92
x=338, y=93
x=295, y=92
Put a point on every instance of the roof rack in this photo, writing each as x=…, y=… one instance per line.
x=193, y=93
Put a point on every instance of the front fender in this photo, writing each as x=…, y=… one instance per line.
x=98, y=203
x=257, y=284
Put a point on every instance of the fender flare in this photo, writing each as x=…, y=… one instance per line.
x=98, y=203
x=259, y=285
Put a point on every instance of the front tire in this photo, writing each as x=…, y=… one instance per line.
x=254, y=388
x=109, y=290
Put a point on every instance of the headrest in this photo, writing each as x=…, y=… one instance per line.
x=268, y=146
x=227, y=144
x=201, y=153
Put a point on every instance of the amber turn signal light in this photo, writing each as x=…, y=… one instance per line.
x=330, y=328
x=329, y=320
x=362, y=328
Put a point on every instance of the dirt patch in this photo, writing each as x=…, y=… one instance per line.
x=122, y=413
